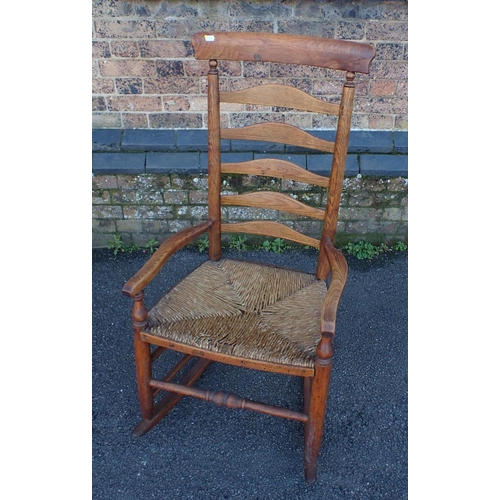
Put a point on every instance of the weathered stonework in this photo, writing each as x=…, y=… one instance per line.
x=145, y=206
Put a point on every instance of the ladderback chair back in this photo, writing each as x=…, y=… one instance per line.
x=285, y=49
x=242, y=313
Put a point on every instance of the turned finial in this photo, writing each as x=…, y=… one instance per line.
x=349, y=79
x=213, y=65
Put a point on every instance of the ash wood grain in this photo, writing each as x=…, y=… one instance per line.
x=337, y=175
x=231, y=401
x=214, y=181
x=281, y=169
x=142, y=353
x=280, y=95
x=270, y=228
x=274, y=201
x=284, y=48
x=278, y=132
x=338, y=267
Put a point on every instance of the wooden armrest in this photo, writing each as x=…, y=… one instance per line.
x=338, y=266
x=171, y=245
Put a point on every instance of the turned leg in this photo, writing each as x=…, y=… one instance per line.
x=142, y=358
x=307, y=393
x=317, y=405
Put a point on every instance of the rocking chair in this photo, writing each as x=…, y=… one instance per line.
x=242, y=313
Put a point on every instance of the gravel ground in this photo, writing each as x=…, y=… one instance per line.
x=201, y=451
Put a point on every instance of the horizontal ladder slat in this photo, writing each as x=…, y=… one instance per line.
x=272, y=229
x=278, y=132
x=273, y=201
x=280, y=95
x=275, y=168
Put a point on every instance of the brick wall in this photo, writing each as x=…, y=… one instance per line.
x=145, y=79
x=145, y=76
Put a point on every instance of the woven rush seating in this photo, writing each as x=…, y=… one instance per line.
x=244, y=309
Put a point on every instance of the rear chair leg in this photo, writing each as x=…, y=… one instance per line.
x=316, y=405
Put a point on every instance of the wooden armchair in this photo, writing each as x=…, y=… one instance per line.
x=242, y=313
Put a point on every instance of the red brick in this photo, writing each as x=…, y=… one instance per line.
x=176, y=120
x=135, y=103
x=200, y=68
x=245, y=83
x=381, y=122
x=169, y=68
x=254, y=25
x=128, y=85
x=124, y=48
x=103, y=86
x=279, y=70
x=383, y=87
x=100, y=49
x=256, y=69
x=135, y=120
x=358, y=121
x=381, y=104
x=185, y=28
x=347, y=30
x=389, y=70
x=125, y=29
x=301, y=120
x=99, y=104
x=168, y=49
x=315, y=27
x=402, y=88
x=327, y=87
x=171, y=85
x=126, y=67
x=387, y=31
x=176, y=103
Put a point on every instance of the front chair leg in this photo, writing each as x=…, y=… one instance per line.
x=142, y=358
x=316, y=406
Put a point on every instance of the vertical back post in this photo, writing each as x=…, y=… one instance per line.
x=337, y=175
x=214, y=173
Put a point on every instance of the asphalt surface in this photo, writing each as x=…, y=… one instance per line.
x=202, y=451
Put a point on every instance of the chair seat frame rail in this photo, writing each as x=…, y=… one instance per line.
x=157, y=396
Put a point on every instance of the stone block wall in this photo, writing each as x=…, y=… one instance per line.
x=140, y=207
x=149, y=184
x=145, y=75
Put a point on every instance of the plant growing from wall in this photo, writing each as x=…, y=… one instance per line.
x=116, y=244
x=277, y=245
x=151, y=245
x=238, y=243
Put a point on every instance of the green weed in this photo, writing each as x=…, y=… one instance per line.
x=238, y=243
x=203, y=243
x=277, y=246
